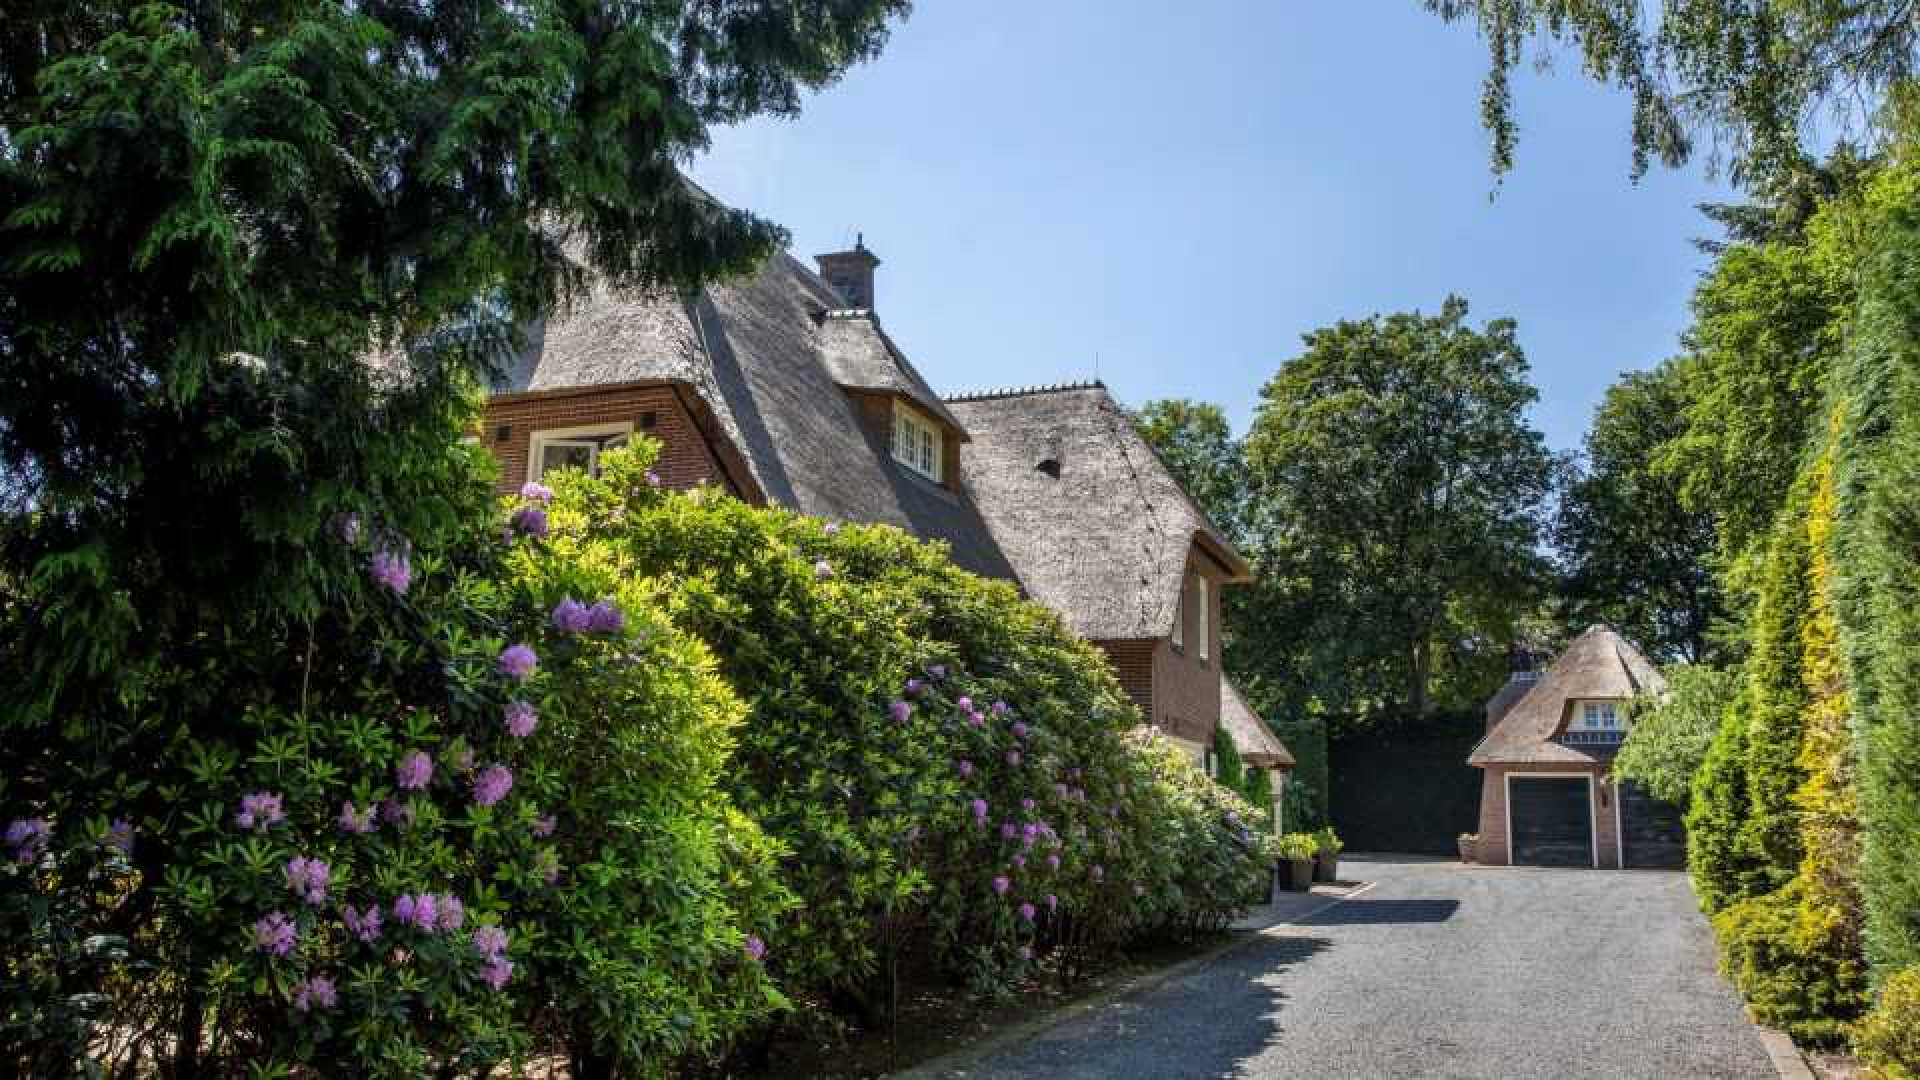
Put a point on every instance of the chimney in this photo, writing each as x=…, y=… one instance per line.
x=851, y=273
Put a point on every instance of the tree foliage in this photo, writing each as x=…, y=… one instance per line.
x=1751, y=76
x=1669, y=736
x=1197, y=446
x=1635, y=556
x=1400, y=489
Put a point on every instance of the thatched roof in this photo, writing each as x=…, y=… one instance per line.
x=1256, y=743
x=1086, y=513
x=764, y=354
x=1599, y=664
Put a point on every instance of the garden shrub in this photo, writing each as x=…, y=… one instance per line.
x=1889, y=1037
x=471, y=827
x=1797, y=975
x=948, y=766
x=1669, y=735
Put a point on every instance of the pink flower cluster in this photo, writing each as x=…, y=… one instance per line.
x=414, y=772
x=428, y=912
x=392, y=570
x=754, y=948
x=364, y=925
x=518, y=661
x=314, y=991
x=356, y=821
x=275, y=933
x=521, y=719
x=27, y=839
x=570, y=616
x=492, y=784
x=309, y=879
x=260, y=810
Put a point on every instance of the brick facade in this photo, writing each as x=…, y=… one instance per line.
x=657, y=410
x=1492, y=846
x=1178, y=691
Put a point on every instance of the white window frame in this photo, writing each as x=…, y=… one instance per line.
x=591, y=437
x=1205, y=605
x=1180, y=617
x=917, y=442
x=1590, y=716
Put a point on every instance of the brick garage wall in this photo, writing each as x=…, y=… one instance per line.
x=1492, y=848
x=686, y=460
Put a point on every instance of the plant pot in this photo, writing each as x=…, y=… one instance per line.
x=1326, y=868
x=1467, y=849
x=1299, y=875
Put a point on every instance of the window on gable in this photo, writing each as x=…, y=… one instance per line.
x=576, y=448
x=918, y=442
x=1600, y=716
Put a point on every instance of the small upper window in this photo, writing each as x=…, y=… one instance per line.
x=918, y=442
x=577, y=448
x=1600, y=716
x=1180, y=617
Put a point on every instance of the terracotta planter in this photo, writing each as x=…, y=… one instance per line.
x=1326, y=868
x=1299, y=875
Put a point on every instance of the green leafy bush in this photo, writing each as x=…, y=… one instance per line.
x=948, y=766
x=1791, y=970
x=1668, y=738
x=1298, y=846
x=1889, y=1037
x=1327, y=842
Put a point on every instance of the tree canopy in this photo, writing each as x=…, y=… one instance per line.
x=1400, y=481
x=1198, y=447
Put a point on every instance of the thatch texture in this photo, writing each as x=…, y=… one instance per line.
x=1599, y=664
x=1093, y=523
x=1256, y=744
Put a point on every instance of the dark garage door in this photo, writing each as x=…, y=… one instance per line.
x=1552, y=820
x=1650, y=831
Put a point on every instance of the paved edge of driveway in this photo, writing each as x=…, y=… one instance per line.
x=1781, y=1050
x=1138, y=984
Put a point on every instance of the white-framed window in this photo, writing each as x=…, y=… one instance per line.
x=1180, y=617
x=918, y=442
x=575, y=447
x=1203, y=608
x=1599, y=716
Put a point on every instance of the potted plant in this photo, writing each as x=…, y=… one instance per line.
x=1468, y=843
x=1326, y=861
x=1296, y=850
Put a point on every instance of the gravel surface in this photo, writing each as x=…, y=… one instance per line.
x=1440, y=970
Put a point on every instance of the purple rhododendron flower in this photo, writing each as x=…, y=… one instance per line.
x=543, y=826
x=937, y=671
x=1001, y=885
x=1013, y=757
x=260, y=810
x=452, y=913
x=426, y=911
x=521, y=719
x=275, y=933
x=492, y=784
x=1019, y=861
x=496, y=972
x=364, y=925
x=315, y=990
x=403, y=909
x=605, y=617
x=536, y=491
x=529, y=521
x=966, y=767
x=27, y=838
x=1053, y=862
x=490, y=942
x=414, y=772
x=518, y=661
x=999, y=708
x=309, y=878
x=901, y=710
x=823, y=569
x=965, y=704
x=754, y=948
x=653, y=478
x=397, y=813
x=392, y=570
x=120, y=836
x=1020, y=730
x=1027, y=912
x=570, y=616
x=975, y=720
x=979, y=807
x=1028, y=805
x=1008, y=830
x=354, y=820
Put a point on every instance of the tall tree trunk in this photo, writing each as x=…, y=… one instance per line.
x=1419, y=674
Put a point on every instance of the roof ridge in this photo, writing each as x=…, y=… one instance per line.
x=1022, y=391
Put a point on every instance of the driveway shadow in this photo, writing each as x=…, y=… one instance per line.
x=1361, y=911
x=1197, y=1026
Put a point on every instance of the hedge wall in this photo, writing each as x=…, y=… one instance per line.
x=1404, y=784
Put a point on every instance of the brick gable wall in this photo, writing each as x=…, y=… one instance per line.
x=686, y=458
x=1492, y=846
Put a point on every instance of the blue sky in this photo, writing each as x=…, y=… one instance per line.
x=1183, y=191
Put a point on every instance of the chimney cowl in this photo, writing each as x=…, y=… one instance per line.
x=850, y=273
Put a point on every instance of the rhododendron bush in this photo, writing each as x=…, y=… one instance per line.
x=480, y=822
x=949, y=767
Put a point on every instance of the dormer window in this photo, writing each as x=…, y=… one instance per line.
x=1599, y=716
x=577, y=448
x=918, y=442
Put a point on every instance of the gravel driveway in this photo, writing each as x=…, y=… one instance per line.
x=1439, y=970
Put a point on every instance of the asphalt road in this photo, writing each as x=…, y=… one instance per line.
x=1440, y=970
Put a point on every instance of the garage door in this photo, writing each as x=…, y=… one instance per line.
x=1552, y=820
x=1651, y=834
